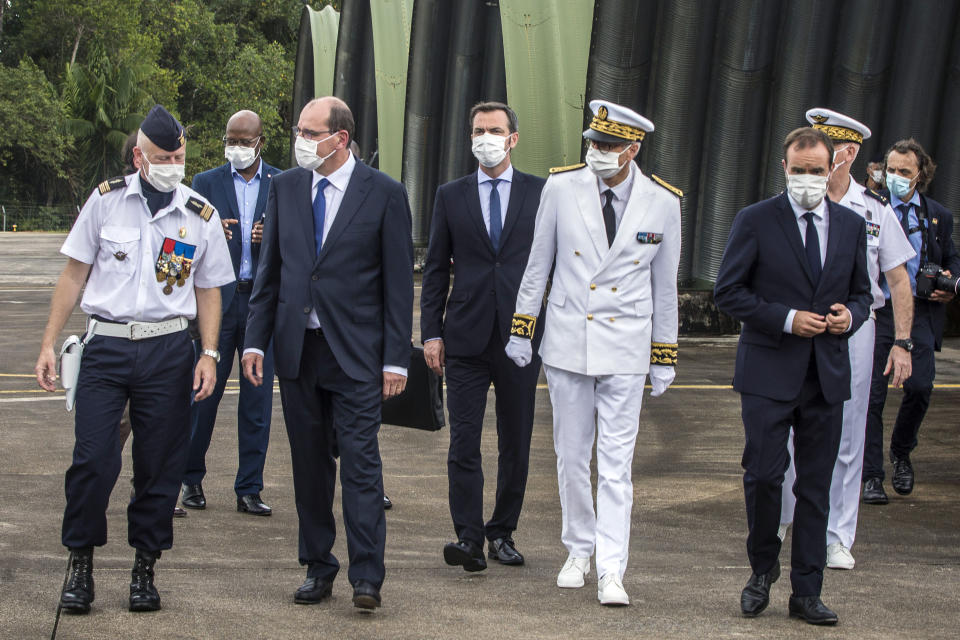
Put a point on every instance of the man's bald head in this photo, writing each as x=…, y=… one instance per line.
x=333, y=111
x=245, y=124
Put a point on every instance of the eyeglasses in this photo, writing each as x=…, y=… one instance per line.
x=240, y=142
x=308, y=134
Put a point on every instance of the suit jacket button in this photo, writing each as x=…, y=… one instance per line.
x=498, y=264
x=576, y=253
x=314, y=277
x=592, y=286
x=492, y=292
x=306, y=309
x=614, y=289
x=589, y=316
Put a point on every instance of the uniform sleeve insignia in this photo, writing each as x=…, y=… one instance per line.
x=200, y=208
x=569, y=167
x=663, y=353
x=876, y=196
x=523, y=326
x=873, y=229
x=109, y=185
x=666, y=185
x=645, y=237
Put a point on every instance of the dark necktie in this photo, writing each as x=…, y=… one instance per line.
x=609, y=217
x=904, y=210
x=319, y=213
x=496, y=220
x=813, y=247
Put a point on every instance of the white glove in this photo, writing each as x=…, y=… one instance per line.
x=519, y=350
x=661, y=377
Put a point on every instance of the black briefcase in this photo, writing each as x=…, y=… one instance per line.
x=420, y=406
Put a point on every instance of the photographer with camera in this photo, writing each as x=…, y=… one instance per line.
x=928, y=225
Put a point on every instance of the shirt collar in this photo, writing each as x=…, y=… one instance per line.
x=339, y=178
x=896, y=202
x=506, y=176
x=854, y=195
x=622, y=190
x=820, y=210
x=236, y=173
x=179, y=201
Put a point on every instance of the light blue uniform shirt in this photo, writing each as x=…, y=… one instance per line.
x=247, y=194
x=913, y=264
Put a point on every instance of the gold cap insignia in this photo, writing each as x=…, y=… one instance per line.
x=819, y=119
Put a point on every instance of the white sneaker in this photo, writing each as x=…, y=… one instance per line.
x=571, y=575
x=839, y=557
x=782, y=531
x=610, y=591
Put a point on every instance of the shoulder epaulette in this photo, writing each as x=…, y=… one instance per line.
x=109, y=185
x=569, y=167
x=200, y=208
x=876, y=196
x=666, y=185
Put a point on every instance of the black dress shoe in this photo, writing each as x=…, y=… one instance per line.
x=77, y=594
x=811, y=609
x=756, y=595
x=313, y=590
x=387, y=504
x=143, y=595
x=179, y=513
x=252, y=504
x=465, y=554
x=504, y=551
x=873, y=492
x=902, y=475
x=192, y=497
x=365, y=595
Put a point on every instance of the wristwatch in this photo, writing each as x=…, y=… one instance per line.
x=906, y=343
x=213, y=354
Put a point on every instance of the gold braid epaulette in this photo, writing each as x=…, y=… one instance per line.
x=876, y=196
x=200, y=208
x=109, y=185
x=569, y=167
x=523, y=326
x=663, y=353
x=666, y=185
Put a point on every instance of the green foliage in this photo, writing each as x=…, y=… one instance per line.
x=34, y=147
x=202, y=59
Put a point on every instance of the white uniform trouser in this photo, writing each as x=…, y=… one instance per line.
x=845, y=486
x=615, y=402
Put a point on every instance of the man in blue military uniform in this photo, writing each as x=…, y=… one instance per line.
x=238, y=189
x=929, y=227
x=156, y=256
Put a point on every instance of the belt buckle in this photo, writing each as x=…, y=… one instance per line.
x=136, y=329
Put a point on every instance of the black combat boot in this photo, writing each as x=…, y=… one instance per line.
x=143, y=595
x=78, y=591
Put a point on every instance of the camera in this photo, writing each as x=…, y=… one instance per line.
x=930, y=278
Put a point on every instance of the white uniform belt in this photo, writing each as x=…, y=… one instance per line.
x=135, y=330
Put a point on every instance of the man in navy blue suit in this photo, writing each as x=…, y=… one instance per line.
x=794, y=273
x=238, y=189
x=483, y=222
x=334, y=292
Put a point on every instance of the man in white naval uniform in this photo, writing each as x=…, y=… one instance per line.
x=887, y=252
x=614, y=235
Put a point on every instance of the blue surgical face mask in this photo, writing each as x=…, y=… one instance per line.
x=899, y=186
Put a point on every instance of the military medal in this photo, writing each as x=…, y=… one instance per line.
x=167, y=290
x=174, y=262
x=183, y=232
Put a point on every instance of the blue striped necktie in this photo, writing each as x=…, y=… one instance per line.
x=319, y=213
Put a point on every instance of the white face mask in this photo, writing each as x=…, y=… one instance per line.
x=837, y=165
x=240, y=157
x=604, y=164
x=807, y=190
x=306, y=152
x=489, y=149
x=164, y=177
x=877, y=176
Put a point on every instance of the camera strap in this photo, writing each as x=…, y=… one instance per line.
x=924, y=229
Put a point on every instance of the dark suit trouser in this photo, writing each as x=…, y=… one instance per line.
x=817, y=426
x=468, y=380
x=156, y=376
x=254, y=407
x=326, y=410
x=916, y=390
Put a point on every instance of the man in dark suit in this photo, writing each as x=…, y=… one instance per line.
x=334, y=291
x=484, y=223
x=794, y=272
x=929, y=227
x=238, y=189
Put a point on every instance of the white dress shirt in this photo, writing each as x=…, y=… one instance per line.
x=621, y=193
x=503, y=188
x=821, y=220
